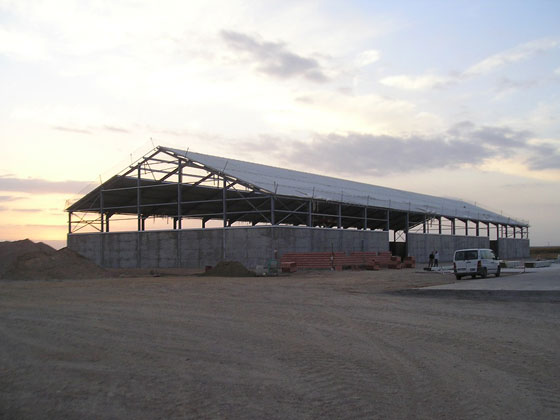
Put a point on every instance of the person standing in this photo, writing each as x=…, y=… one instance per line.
x=436, y=259
x=431, y=260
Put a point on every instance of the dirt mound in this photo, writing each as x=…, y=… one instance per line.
x=229, y=269
x=26, y=260
x=11, y=250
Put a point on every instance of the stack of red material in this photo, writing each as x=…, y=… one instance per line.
x=409, y=262
x=395, y=262
x=382, y=260
x=355, y=261
x=288, y=266
x=370, y=260
x=290, y=262
x=312, y=259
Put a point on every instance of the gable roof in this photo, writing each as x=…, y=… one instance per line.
x=291, y=183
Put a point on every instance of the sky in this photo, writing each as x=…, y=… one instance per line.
x=458, y=99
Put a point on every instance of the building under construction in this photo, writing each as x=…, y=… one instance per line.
x=210, y=208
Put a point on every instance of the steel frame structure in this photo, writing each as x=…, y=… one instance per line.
x=166, y=184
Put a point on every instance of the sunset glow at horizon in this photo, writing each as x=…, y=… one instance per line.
x=457, y=99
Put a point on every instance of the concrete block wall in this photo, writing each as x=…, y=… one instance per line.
x=511, y=249
x=87, y=244
x=197, y=248
x=420, y=245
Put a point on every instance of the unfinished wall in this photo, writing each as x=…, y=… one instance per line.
x=196, y=248
x=510, y=248
x=420, y=245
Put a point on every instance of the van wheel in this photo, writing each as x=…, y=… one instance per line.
x=498, y=272
x=457, y=276
x=484, y=273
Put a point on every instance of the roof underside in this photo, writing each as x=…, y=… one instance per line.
x=260, y=182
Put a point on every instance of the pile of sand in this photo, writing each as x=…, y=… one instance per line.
x=27, y=260
x=229, y=269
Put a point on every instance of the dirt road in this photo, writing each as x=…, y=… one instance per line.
x=318, y=345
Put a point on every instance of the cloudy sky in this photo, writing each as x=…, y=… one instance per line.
x=452, y=98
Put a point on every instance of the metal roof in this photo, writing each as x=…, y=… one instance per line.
x=291, y=183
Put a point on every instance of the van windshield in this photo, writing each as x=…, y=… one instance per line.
x=487, y=254
x=466, y=255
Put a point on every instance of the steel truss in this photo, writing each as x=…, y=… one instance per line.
x=163, y=184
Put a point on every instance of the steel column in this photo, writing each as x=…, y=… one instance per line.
x=388, y=224
x=101, y=209
x=138, y=199
x=407, y=224
x=339, y=215
x=272, y=210
x=179, y=195
x=224, y=204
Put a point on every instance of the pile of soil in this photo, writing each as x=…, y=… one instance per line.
x=229, y=269
x=27, y=260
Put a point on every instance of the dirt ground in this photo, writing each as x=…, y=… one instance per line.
x=314, y=345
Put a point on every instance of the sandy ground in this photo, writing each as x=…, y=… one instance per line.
x=313, y=345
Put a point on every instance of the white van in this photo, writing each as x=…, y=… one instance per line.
x=475, y=262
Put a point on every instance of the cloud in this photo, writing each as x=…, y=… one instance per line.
x=115, y=129
x=367, y=57
x=23, y=46
x=487, y=65
x=40, y=186
x=506, y=84
x=19, y=210
x=548, y=157
x=463, y=144
x=518, y=53
x=71, y=129
x=5, y=198
x=273, y=59
x=415, y=82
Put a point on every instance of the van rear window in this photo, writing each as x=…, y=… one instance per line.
x=466, y=255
